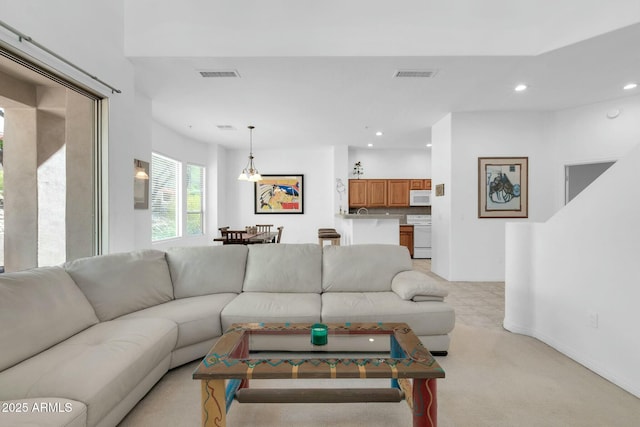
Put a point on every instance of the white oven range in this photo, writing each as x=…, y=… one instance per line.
x=421, y=235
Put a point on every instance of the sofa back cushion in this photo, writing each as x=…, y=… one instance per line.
x=118, y=284
x=207, y=270
x=38, y=309
x=284, y=268
x=361, y=268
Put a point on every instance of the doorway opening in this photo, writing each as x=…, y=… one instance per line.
x=578, y=177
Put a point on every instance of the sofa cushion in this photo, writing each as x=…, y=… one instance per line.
x=425, y=318
x=38, y=309
x=284, y=268
x=99, y=366
x=198, y=318
x=207, y=269
x=118, y=284
x=362, y=268
x=411, y=284
x=45, y=412
x=250, y=307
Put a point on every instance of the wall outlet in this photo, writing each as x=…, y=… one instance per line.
x=593, y=320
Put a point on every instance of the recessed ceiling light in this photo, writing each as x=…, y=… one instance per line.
x=369, y=145
x=378, y=133
x=521, y=87
x=429, y=145
x=612, y=114
x=630, y=86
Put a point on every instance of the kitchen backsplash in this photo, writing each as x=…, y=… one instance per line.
x=413, y=210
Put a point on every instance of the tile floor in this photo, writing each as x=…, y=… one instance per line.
x=476, y=303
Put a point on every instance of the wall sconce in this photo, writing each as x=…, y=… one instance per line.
x=140, y=169
x=140, y=184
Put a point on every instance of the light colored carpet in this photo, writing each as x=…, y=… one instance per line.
x=494, y=378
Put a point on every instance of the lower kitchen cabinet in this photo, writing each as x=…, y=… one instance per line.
x=406, y=237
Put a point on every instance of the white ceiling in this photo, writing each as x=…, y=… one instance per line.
x=321, y=73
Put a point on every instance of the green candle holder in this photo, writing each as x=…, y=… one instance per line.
x=319, y=334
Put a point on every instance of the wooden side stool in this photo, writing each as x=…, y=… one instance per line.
x=329, y=234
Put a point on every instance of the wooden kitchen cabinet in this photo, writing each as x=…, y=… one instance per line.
x=398, y=193
x=384, y=193
x=357, y=193
x=416, y=184
x=376, y=193
x=420, y=184
x=406, y=237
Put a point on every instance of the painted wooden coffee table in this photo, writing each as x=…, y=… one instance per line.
x=412, y=369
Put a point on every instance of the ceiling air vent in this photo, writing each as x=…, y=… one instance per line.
x=225, y=127
x=416, y=73
x=219, y=73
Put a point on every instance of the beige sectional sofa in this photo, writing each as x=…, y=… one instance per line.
x=82, y=343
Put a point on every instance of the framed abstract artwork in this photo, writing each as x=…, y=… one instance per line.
x=279, y=194
x=503, y=187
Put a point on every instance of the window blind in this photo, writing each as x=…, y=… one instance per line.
x=195, y=200
x=165, y=173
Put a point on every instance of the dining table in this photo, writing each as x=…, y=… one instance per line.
x=252, y=238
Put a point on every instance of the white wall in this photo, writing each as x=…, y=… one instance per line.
x=441, y=206
x=318, y=191
x=572, y=281
x=89, y=34
x=477, y=245
x=586, y=135
x=398, y=163
x=578, y=278
x=341, y=171
x=142, y=134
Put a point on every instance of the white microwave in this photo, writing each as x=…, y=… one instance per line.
x=419, y=197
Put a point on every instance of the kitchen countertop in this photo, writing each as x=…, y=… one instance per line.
x=370, y=216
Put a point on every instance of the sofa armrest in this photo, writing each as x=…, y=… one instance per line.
x=418, y=286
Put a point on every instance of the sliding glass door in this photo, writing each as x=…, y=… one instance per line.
x=49, y=178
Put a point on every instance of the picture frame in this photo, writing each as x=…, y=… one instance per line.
x=279, y=194
x=503, y=187
x=140, y=184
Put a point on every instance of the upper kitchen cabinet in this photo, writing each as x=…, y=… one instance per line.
x=357, y=193
x=376, y=193
x=420, y=184
x=384, y=193
x=398, y=192
x=370, y=193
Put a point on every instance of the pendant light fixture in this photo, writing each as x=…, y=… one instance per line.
x=250, y=173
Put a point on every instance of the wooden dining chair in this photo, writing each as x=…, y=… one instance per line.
x=223, y=230
x=279, y=236
x=233, y=237
x=264, y=228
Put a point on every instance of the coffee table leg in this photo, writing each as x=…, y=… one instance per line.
x=214, y=412
x=425, y=403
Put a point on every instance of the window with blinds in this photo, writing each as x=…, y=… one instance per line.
x=195, y=200
x=165, y=200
